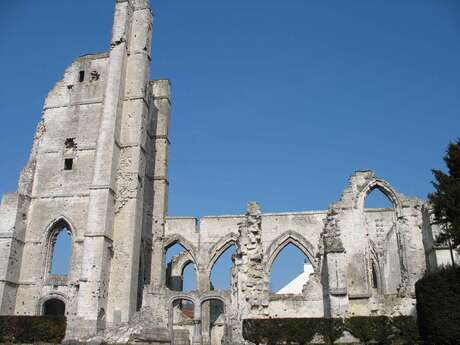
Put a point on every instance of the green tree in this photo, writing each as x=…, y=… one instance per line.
x=445, y=200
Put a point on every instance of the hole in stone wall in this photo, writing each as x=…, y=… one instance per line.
x=54, y=307
x=377, y=199
x=374, y=276
x=81, y=76
x=183, y=314
x=68, y=164
x=61, y=251
x=70, y=143
x=212, y=321
x=180, y=269
x=290, y=271
x=221, y=272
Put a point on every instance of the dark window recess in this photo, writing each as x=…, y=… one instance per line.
x=374, y=277
x=70, y=143
x=81, y=76
x=54, y=307
x=68, y=164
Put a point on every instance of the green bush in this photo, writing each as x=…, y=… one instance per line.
x=367, y=329
x=32, y=329
x=407, y=327
x=374, y=329
x=330, y=329
x=438, y=307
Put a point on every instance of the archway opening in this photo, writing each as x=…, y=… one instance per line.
x=290, y=271
x=183, y=315
x=380, y=223
x=221, y=272
x=379, y=215
x=212, y=321
x=180, y=269
x=61, y=250
x=54, y=307
x=376, y=199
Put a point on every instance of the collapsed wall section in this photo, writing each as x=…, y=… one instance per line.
x=48, y=189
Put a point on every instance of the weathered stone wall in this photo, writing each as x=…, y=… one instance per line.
x=107, y=118
x=113, y=124
x=344, y=244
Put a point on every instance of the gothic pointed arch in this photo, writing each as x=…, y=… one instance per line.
x=220, y=247
x=177, y=275
x=294, y=238
x=384, y=187
x=56, y=223
x=59, y=229
x=178, y=239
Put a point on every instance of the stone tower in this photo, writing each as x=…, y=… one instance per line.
x=97, y=173
x=97, y=169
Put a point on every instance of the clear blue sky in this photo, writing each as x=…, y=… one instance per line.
x=273, y=101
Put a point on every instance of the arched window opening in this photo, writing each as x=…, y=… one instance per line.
x=61, y=250
x=375, y=282
x=183, y=314
x=221, y=272
x=180, y=269
x=290, y=271
x=189, y=277
x=377, y=199
x=212, y=321
x=54, y=307
x=379, y=215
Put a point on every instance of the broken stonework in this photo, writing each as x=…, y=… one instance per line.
x=249, y=275
x=98, y=169
x=142, y=328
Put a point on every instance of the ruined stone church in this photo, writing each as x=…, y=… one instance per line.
x=98, y=170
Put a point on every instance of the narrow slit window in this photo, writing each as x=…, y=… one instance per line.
x=68, y=164
x=81, y=76
x=374, y=277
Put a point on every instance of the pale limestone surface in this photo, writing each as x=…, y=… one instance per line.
x=114, y=125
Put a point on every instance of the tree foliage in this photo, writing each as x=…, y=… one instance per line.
x=445, y=199
x=32, y=329
x=438, y=312
x=381, y=330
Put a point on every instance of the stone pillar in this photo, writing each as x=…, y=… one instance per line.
x=155, y=292
x=98, y=237
x=335, y=268
x=249, y=280
x=204, y=285
x=162, y=94
x=130, y=173
x=197, y=337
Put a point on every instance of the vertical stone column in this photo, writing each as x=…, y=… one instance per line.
x=249, y=281
x=162, y=100
x=154, y=292
x=334, y=269
x=204, y=285
x=130, y=173
x=412, y=255
x=98, y=237
x=197, y=337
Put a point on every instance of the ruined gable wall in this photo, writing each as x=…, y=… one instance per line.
x=72, y=110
